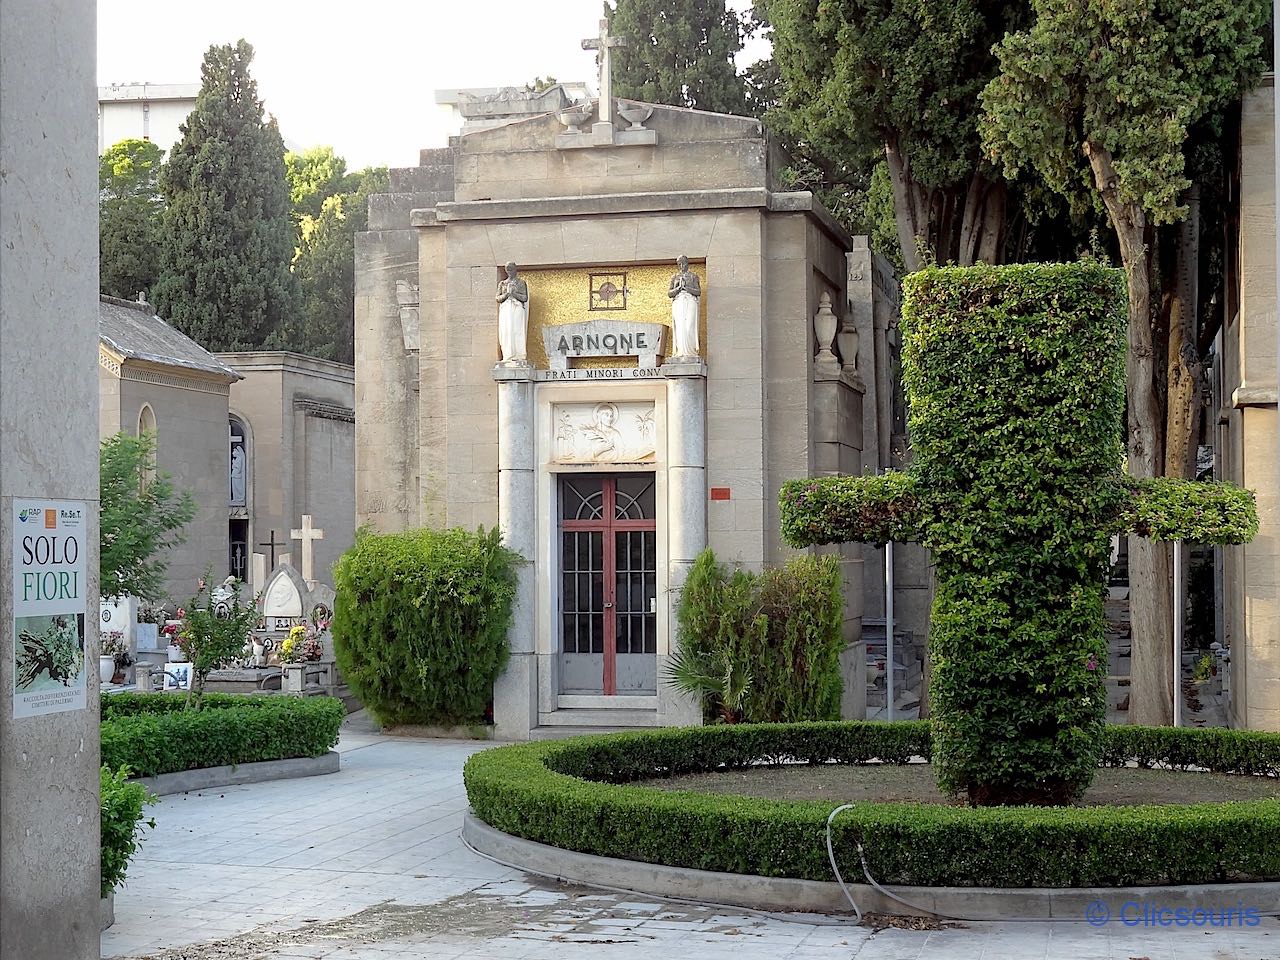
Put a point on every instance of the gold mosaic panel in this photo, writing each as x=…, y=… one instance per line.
x=564, y=296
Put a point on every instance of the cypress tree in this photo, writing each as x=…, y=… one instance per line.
x=679, y=52
x=227, y=235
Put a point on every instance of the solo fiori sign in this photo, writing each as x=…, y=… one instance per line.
x=50, y=587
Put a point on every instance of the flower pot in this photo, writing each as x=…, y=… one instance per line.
x=176, y=655
x=106, y=668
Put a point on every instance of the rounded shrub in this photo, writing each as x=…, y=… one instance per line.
x=421, y=620
x=580, y=795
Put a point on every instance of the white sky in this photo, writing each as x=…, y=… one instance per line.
x=360, y=75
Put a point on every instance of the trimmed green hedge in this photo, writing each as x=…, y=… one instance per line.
x=1165, y=508
x=152, y=734
x=575, y=794
x=871, y=509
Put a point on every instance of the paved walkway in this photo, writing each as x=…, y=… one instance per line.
x=367, y=864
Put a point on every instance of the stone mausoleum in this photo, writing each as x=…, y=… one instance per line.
x=611, y=446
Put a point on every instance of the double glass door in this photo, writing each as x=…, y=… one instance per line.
x=608, y=584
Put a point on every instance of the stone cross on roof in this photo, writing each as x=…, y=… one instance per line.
x=604, y=43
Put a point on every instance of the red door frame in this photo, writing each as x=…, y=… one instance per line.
x=609, y=527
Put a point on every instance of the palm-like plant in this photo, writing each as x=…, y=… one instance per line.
x=715, y=677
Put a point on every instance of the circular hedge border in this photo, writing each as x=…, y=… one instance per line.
x=153, y=734
x=577, y=794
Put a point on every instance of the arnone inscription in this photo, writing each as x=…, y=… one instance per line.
x=603, y=338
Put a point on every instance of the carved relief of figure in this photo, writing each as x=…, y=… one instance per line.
x=513, y=317
x=685, y=290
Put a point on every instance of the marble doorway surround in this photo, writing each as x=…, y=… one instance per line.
x=653, y=425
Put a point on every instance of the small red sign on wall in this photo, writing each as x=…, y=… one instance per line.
x=720, y=493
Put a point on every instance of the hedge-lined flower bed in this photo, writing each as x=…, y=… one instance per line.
x=152, y=734
x=576, y=794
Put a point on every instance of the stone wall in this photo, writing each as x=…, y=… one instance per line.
x=389, y=489
x=48, y=394
x=191, y=445
x=1248, y=452
x=299, y=414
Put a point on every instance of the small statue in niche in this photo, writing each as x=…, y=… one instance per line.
x=684, y=291
x=513, y=317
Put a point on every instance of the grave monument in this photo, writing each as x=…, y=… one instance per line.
x=667, y=389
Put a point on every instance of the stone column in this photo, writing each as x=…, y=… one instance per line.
x=515, y=695
x=49, y=437
x=686, y=511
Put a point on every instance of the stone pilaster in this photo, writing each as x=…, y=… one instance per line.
x=516, y=691
x=686, y=511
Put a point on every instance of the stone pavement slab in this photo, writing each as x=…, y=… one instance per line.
x=367, y=864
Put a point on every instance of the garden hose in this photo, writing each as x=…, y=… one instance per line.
x=831, y=855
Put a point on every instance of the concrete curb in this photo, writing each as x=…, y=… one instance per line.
x=206, y=778
x=812, y=896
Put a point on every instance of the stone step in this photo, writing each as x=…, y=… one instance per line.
x=418, y=179
x=563, y=733
x=432, y=155
x=600, y=718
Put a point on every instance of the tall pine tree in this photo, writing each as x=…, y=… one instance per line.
x=679, y=52
x=129, y=208
x=227, y=234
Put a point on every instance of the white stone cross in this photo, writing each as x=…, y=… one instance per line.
x=604, y=43
x=308, y=534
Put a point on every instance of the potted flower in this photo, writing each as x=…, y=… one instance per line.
x=170, y=632
x=112, y=649
x=300, y=647
x=115, y=646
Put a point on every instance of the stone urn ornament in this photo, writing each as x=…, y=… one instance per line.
x=825, y=324
x=635, y=113
x=106, y=668
x=685, y=292
x=513, y=317
x=575, y=116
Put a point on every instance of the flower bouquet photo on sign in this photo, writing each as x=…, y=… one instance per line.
x=50, y=653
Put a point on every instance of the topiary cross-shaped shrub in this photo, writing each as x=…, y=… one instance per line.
x=1016, y=382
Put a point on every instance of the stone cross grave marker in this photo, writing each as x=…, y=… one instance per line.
x=605, y=43
x=308, y=535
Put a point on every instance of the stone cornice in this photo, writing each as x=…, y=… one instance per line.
x=616, y=204
x=1247, y=395
x=141, y=372
x=324, y=410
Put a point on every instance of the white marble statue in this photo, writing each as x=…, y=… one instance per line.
x=513, y=317
x=237, y=476
x=684, y=293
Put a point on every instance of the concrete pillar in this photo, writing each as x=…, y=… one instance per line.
x=515, y=695
x=686, y=511
x=49, y=436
